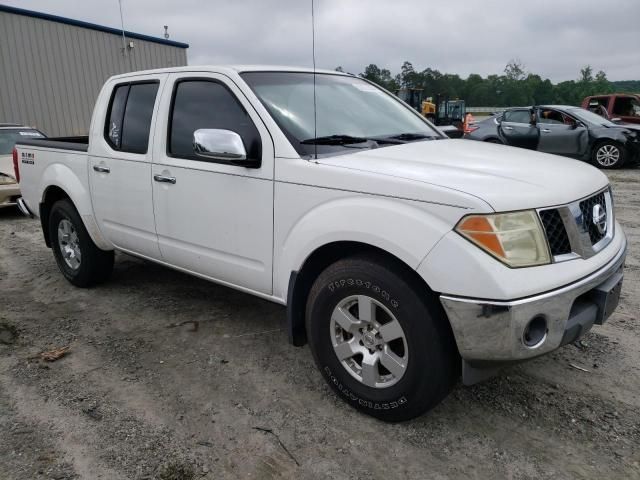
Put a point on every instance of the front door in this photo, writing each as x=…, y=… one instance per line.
x=518, y=130
x=212, y=217
x=626, y=108
x=561, y=134
x=120, y=166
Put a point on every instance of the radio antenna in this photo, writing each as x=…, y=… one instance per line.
x=313, y=50
x=124, y=41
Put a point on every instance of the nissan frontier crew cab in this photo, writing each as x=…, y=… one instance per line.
x=405, y=259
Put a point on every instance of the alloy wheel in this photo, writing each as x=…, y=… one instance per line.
x=369, y=341
x=608, y=155
x=69, y=244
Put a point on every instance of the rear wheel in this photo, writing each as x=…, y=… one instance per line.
x=608, y=155
x=381, y=342
x=79, y=259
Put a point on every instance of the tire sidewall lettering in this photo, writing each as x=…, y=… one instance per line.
x=361, y=401
x=349, y=282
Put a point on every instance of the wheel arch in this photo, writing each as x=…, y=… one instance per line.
x=301, y=281
x=53, y=193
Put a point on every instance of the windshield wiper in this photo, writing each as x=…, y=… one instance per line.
x=335, y=140
x=412, y=136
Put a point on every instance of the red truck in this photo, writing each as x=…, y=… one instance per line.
x=623, y=106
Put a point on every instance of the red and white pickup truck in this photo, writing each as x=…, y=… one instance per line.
x=404, y=258
x=621, y=106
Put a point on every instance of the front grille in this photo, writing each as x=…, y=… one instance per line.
x=556, y=232
x=586, y=208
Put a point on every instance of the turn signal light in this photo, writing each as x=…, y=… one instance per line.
x=480, y=230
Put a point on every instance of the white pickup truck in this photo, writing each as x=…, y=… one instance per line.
x=405, y=259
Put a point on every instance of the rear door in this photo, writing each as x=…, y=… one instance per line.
x=120, y=165
x=213, y=218
x=516, y=129
x=561, y=134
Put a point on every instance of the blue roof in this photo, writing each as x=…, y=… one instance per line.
x=92, y=26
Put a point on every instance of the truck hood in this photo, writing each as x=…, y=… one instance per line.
x=506, y=178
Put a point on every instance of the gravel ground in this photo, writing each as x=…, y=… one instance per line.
x=174, y=378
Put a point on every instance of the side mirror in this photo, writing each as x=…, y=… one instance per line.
x=217, y=144
x=615, y=120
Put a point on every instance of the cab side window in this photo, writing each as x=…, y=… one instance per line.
x=206, y=104
x=129, y=117
x=551, y=116
x=517, y=116
x=626, y=107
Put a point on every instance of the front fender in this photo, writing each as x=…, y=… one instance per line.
x=406, y=229
x=68, y=179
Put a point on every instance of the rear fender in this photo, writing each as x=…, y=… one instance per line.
x=66, y=179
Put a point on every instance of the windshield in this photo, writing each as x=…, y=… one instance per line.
x=587, y=116
x=9, y=137
x=350, y=112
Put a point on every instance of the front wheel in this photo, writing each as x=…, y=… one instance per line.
x=381, y=342
x=608, y=155
x=79, y=259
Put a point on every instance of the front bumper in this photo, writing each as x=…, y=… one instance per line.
x=493, y=331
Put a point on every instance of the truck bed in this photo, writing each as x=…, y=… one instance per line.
x=78, y=144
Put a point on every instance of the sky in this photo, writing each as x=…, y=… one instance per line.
x=553, y=38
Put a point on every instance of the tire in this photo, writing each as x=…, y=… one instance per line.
x=426, y=358
x=608, y=154
x=81, y=262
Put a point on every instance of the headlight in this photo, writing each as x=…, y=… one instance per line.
x=516, y=239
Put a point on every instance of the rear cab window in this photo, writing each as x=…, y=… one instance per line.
x=599, y=106
x=128, y=121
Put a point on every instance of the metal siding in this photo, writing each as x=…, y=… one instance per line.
x=51, y=73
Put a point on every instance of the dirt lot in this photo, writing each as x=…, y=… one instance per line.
x=171, y=377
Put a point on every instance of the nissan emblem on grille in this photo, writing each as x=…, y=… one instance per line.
x=599, y=218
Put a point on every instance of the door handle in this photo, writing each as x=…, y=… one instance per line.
x=101, y=169
x=546, y=130
x=164, y=179
x=508, y=128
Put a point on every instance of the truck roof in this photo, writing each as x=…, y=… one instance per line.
x=230, y=69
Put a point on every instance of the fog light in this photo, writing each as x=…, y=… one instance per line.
x=535, y=332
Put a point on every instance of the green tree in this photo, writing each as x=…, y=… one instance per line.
x=408, y=76
x=515, y=87
x=586, y=74
x=380, y=76
x=515, y=70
